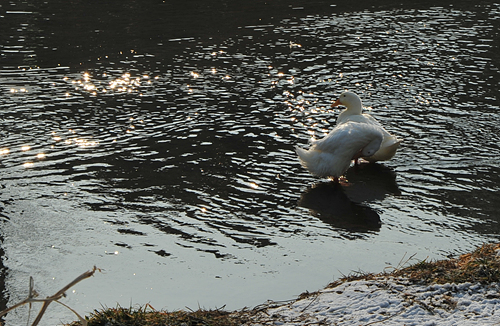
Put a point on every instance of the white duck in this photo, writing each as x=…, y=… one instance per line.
x=354, y=112
x=331, y=156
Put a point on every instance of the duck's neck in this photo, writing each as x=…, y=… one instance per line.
x=353, y=108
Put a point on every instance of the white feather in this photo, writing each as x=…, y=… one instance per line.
x=332, y=155
x=353, y=113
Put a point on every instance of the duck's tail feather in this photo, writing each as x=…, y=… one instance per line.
x=317, y=162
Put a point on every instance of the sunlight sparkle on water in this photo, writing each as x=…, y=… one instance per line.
x=125, y=83
x=253, y=185
x=20, y=90
x=84, y=143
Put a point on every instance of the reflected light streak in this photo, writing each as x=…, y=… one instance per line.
x=20, y=90
x=83, y=143
x=25, y=148
x=122, y=84
x=4, y=151
x=253, y=185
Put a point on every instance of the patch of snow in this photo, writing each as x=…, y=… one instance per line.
x=390, y=301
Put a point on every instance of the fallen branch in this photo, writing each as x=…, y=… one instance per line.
x=48, y=300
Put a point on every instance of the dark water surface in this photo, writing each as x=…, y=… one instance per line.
x=156, y=142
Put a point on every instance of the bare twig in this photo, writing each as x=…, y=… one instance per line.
x=55, y=297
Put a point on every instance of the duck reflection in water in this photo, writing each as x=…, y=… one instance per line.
x=338, y=204
x=370, y=181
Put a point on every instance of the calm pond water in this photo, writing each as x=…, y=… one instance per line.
x=157, y=143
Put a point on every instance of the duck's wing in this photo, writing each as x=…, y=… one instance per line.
x=348, y=138
x=387, y=150
x=368, y=119
x=337, y=138
x=360, y=118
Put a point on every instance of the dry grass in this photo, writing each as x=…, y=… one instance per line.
x=482, y=265
x=148, y=316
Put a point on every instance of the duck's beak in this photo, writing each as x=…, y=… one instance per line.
x=336, y=103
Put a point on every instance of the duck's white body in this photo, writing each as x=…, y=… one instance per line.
x=331, y=156
x=354, y=113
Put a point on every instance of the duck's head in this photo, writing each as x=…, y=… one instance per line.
x=349, y=100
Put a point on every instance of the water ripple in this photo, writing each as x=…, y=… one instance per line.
x=195, y=154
